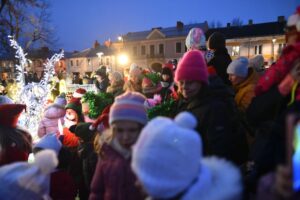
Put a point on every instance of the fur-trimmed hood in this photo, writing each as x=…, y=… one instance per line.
x=217, y=180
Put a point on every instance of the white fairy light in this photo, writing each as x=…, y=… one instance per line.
x=34, y=95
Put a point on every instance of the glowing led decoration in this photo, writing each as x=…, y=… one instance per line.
x=34, y=95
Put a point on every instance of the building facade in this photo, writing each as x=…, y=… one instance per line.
x=152, y=48
x=267, y=39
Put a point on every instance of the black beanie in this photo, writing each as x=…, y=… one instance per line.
x=216, y=41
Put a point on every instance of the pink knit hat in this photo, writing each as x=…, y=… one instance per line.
x=192, y=67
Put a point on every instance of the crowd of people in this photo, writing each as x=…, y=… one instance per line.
x=206, y=128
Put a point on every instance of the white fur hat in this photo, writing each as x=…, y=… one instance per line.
x=161, y=159
x=167, y=160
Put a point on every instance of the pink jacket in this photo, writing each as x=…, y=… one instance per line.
x=49, y=124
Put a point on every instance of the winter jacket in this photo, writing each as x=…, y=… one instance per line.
x=116, y=89
x=220, y=62
x=245, y=91
x=49, y=123
x=69, y=139
x=113, y=178
x=102, y=86
x=62, y=186
x=217, y=123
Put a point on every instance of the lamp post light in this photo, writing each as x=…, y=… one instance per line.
x=100, y=54
x=123, y=59
x=273, y=51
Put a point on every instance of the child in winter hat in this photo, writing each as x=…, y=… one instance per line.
x=15, y=142
x=280, y=73
x=257, y=63
x=134, y=82
x=28, y=181
x=128, y=106
x=62, y=185
x=196, y=39
x=167, y=159
x=79, y=92
x=127, y=116
x=54, y=112
x=238, y=70
x=192, y=67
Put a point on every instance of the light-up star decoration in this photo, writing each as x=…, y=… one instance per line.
x=34, y=95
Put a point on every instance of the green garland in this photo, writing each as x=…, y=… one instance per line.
x=154, y=77
x=97, y=102
x=167, y=109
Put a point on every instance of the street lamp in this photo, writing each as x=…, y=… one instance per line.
x=273, y=52
x=100, y=54
x=123, y=59
x=120, y=38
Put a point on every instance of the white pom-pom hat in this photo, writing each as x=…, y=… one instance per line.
x=168, y=162
x=165, y=154
x=21, y=180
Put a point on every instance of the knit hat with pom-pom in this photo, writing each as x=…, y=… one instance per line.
x=164, y=142
x=21, y=180
x=167, y=159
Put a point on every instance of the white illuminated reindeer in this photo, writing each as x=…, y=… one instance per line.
x=34, y=95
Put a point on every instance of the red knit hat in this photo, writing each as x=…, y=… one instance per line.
x=192, y=67
x=79, y=93
x=9, y=114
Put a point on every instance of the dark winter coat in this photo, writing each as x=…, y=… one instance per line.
x=62, y=186
x=88, y=158
x=220, y=131
x=220, y=62
x=266, y=114
x=114, y=179
x=102, y=86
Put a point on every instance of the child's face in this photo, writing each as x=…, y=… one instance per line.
x=189, y=89
x=165, y=77
x=126, y=132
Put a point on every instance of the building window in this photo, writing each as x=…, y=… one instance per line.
x=178, y=47
x=235, y=51
x=107, y=61
x=89, y=62
x=143, y=50
x=161, y=49
x=72, y=63
x=258, y=49
x=134, y=51
x=77, y=62
x=151, y=50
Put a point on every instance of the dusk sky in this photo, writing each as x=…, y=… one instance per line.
x=78, y=23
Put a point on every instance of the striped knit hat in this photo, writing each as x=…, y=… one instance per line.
x=129, y=106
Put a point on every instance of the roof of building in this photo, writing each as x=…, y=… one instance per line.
x=168, y=32
x=253, y=30
x=92, y=52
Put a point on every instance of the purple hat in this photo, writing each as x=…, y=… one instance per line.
x=129, y=106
